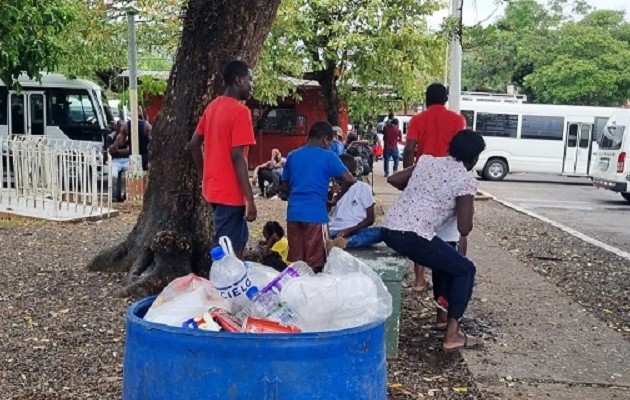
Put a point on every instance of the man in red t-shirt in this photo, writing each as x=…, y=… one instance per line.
x=431, y=132
x=391, y=136
x=225, y=130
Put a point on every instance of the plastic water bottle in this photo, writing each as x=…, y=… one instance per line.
x=229, y=277
x=276, y=284
x=267, y=305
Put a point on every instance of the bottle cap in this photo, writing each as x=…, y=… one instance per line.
x=251, y=292
x=217, y=253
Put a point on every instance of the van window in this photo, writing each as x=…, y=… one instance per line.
x=612, y=137
x=501, y=125
x=109, y=116
x=71, y=107
x=542, y=128
x=600, y=123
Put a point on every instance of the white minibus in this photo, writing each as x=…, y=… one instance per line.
x=610, y=169
x=523, y=137
x=57, y=107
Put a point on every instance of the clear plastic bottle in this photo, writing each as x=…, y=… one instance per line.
x=229, y=277
x=267, y=305
x=276, y=284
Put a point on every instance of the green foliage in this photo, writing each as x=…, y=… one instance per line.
x=367, y=47
x=29, y=36
x=84, y=37
x=551, y=58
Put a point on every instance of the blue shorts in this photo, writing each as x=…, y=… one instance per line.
x=230, y=221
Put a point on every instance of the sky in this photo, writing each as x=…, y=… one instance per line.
x=484, y=9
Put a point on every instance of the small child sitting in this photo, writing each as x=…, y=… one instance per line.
x=353, y=214
x=275, y=246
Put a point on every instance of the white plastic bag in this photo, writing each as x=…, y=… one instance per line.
x=341, y=263
x=184, y=298
x=327, y=302
x=260, y=274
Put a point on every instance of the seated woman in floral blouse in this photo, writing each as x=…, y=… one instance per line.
x=437, y=189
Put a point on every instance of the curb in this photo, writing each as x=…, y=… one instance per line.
x=570, y=231
x=483, y=196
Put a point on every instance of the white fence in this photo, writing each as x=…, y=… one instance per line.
x=53, y=179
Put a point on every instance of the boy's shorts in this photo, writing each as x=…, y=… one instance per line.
x=230, y=221
x=306, y=243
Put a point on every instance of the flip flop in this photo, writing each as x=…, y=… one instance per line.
x=474, y=343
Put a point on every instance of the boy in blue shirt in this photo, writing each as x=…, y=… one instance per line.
x=306, y=178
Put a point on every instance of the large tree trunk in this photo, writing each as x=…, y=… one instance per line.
x=174, y=229
x=328, y=82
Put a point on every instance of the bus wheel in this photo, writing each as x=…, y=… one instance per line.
x=626, y=196
x=495, y=170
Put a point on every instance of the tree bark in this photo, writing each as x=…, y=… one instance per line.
x=328, y=82
x=174, y=230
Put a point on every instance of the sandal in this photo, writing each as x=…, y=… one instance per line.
x=470, y=342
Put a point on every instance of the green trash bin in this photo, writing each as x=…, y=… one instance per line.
x=392, y=269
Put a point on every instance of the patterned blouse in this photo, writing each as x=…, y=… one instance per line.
x=429, y=198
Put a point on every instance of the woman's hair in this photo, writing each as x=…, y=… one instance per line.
x=272, y=227
x=466, y=146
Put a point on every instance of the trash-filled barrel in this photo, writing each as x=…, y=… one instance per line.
x=164, y=362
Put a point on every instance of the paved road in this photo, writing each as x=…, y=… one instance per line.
x=601, y=214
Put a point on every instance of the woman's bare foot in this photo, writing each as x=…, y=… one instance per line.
x=420, y=281
x=441, y=320
x=454, y=339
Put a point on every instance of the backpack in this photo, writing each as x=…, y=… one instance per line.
x=363, y=153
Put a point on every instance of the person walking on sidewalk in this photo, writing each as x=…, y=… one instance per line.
x=391, y=136
x=436, y=189
x=225, y=131
x=431, y=132
x=306, y=178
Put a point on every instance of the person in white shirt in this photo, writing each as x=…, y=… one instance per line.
x=435, y=190
x=353, y=215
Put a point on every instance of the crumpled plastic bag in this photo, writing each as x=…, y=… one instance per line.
x=184, y=298
x=341, y=263
x=332, y=302
x=260, y=274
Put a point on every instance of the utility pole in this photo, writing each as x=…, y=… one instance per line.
x=135, y=160
x=455, y=70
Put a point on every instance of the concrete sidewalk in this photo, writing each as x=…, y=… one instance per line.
x=547, y=346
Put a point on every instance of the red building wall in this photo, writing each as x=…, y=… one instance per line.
x=312, y=107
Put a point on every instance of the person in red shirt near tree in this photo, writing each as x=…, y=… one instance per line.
x=391, y=136
x=431, y=132
x=225, y=131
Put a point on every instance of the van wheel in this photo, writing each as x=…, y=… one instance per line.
x=495, y=170
x=626, y=196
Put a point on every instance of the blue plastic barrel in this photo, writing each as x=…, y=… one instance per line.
x=164, y=363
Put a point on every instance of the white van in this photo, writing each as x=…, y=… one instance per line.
x=610, y=168
x=58, y=107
